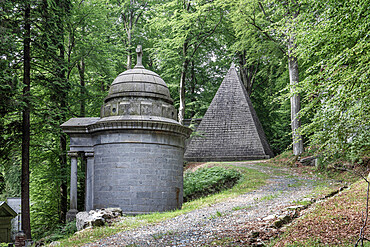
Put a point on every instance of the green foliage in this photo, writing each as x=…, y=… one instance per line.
x=208, y=181
x=186, y=36
x=10, y=100
x=10, y=181
x=58, y=232
x=333, y=42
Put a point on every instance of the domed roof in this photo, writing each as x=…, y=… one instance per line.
x=139, y=82
x=138, y=93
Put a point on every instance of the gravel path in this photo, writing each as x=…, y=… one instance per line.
x=211, y=225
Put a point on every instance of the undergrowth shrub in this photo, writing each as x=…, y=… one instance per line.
x=208, y=181
x=57, y=233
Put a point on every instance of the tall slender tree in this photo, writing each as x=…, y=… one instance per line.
x=292, y=11
x=275, y=20
x=185, y=27
x=25, y=195
x=129, y=13
x=61, y=90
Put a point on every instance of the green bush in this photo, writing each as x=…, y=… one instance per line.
x=208, y=181
x=58, y=232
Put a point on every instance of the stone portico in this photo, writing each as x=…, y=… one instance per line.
x=134, y=150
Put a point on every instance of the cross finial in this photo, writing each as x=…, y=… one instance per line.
x=139, y=51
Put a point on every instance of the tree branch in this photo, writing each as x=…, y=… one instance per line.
x=204, y=38
x=267, y=36
x=138, y=16
x=264, y=12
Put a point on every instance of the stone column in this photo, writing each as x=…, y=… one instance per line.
x=71, y=214
x=89, y=193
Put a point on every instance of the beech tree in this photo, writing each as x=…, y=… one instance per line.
x=333, y=42
x=183, y=27
x=275, y=20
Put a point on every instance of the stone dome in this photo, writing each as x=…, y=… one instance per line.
x=139, y=82
x=138, y=92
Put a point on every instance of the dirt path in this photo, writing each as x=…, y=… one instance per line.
x=234, y=222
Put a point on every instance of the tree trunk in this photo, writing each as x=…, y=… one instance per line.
x=63, y=185
x=182, y=92
x=81, y=71
x=62, y=91
x=247, y=73
x=25, y=192
x=193, y=83
x=129, y=40
x=184, y=69
x=294, y=99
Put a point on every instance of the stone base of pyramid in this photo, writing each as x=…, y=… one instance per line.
x=226, y=158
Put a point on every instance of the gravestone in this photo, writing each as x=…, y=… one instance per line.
x=230, y=129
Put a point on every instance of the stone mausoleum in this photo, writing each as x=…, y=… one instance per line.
x=134, y=150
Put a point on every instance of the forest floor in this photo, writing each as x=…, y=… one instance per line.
x=250, y=219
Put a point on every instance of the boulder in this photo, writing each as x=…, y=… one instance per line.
x=282, y=220
x=297, y=208
x=98, y=217
x=270, y=217
x=55, y=243
x=82, y=220
x=308, y=161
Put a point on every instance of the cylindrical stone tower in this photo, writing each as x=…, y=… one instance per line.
x=137, y=146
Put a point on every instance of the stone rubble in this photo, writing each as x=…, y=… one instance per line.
x=98, y=217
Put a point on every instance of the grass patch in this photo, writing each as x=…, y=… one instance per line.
x=208, y=181
x=269, y=197
x=216, y=215
x=163, y=234
x=224, y=241
x=296, y=184
x=251, y=180
x=336, y=221
x=303, y=202
x=240, y=208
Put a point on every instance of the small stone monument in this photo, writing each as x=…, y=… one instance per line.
x=134, y=150
x=20, y=239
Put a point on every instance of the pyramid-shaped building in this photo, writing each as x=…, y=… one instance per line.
x=230, y=129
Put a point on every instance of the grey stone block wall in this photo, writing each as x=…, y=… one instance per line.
x=138, y=172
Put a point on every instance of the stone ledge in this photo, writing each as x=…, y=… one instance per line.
x=74, y=126
x=226, y=158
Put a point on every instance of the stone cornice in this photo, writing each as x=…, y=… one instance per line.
x=145, y=123
x=72, y=154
